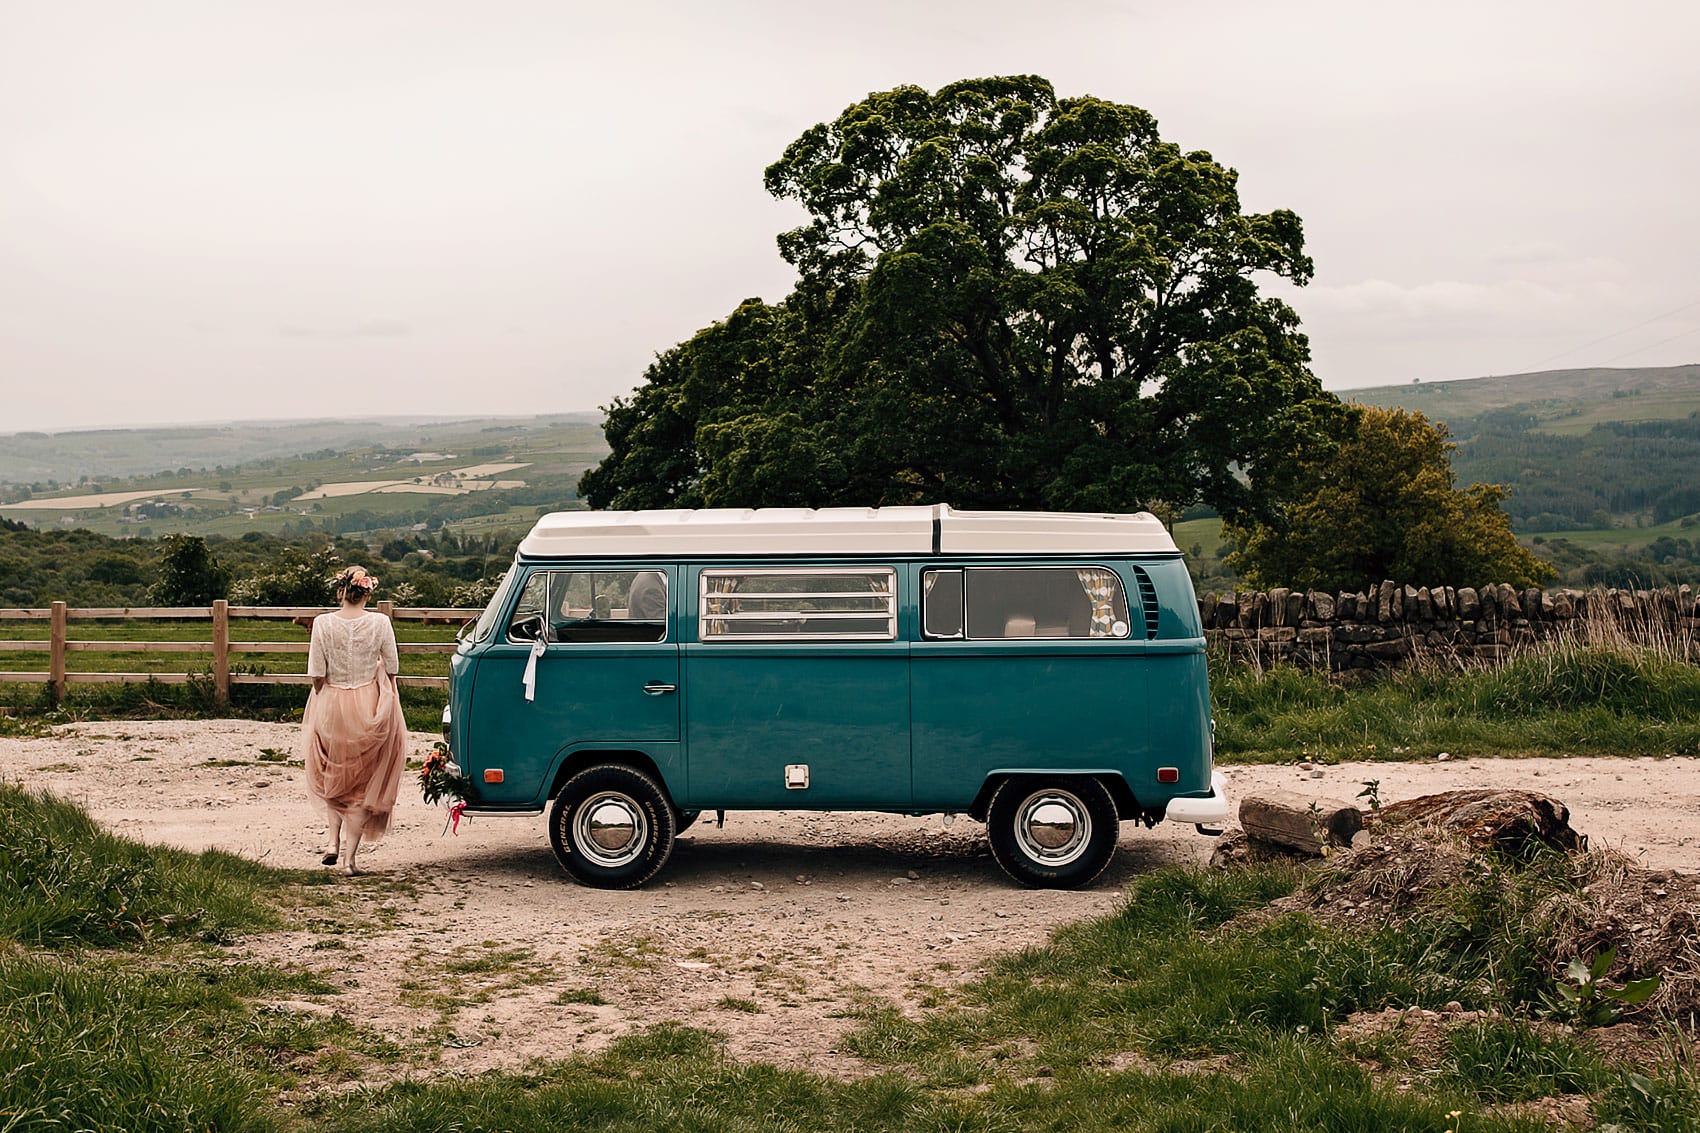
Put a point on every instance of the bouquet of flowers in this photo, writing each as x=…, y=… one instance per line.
x=440, y=778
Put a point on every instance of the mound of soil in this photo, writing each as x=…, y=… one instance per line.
x=1592, y=900
x=1520, y=823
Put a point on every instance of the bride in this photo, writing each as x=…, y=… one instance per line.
x=353, y=734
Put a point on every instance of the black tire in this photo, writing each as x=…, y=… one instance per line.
x=1052, y=833
x=620, y=799
x=684, y=820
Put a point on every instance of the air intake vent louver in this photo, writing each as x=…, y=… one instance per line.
x=1147, y=599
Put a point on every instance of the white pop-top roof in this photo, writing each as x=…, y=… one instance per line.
x=842, y=531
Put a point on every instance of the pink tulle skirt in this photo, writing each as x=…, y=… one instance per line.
x=354, y=743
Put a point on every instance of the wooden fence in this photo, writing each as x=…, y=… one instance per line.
x=59, y=643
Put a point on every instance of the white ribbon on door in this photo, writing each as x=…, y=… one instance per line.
x=530, y=678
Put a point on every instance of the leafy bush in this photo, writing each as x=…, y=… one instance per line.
x=301, y=578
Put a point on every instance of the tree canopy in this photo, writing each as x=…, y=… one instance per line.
x=1004, y=299
x=1384, y=505
x=189, y=574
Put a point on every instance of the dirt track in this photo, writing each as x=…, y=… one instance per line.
x=769, y=930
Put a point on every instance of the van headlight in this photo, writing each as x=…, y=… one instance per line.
x=446, y=721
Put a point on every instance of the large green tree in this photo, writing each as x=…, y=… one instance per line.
x=1384, y=505
x=1004, y=299
x=189, y=574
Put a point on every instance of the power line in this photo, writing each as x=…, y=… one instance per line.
x=1650, y=345
x=1617, y=333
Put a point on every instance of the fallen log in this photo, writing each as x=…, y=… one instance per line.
x=1299, y=822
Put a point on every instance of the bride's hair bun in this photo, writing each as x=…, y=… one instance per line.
x=355, y=582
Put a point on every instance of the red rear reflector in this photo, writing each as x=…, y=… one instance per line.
x=493, y=775
x=1168, y=774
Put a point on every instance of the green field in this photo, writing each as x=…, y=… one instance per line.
x=1568, y=402
x=132, y=453
x=1624, y=540
x=1205, y=534
x=555, y=451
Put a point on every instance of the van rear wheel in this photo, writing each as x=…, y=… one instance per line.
x=612, y=826
x=1052, y=834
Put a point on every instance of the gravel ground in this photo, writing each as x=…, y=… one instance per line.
x=475, y=952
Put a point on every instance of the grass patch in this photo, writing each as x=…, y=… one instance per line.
x=1511, y=1061
x=1190, y=1008
x=100, y=1042
x=93, y=1037
x=1567, y=698
x=1167, y=981
x=79, y=1050
x=65, y=881
x=677, y=1078
x=1661, y=1103
x=492, y=960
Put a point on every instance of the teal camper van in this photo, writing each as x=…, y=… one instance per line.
x=1043, y=673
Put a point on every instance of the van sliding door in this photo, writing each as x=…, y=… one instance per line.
x=797, y=667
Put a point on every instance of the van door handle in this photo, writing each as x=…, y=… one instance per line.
x=656, y=688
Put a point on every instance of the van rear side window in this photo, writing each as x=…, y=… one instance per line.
x=828, y=604
x=998, y=603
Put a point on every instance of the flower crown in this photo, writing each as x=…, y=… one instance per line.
x=355, y=577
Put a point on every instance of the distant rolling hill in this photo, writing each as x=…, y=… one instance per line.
x=124, y=453
x=291, y=477
x=1561, y=401
x=1610, y=451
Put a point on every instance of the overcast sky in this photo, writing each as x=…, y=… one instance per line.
x=233, y=209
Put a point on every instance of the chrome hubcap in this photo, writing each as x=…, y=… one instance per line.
x=610, y=829
x=1053, y=827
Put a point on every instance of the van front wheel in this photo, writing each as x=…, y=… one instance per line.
x=612, y=826
x=1055, y=834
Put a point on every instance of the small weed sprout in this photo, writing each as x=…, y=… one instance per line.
x=1371, y=794
x=1587, y=1000
x=1318, y=830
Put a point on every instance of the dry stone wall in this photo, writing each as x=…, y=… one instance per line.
x=1393, y=623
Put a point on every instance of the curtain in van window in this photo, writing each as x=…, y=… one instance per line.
x=1100, y=587
x=725, y=584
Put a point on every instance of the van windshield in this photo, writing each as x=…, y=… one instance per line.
x=487, y=620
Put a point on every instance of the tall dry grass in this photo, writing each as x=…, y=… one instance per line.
x=1597, y=688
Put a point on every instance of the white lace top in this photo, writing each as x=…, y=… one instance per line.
x=346, y=651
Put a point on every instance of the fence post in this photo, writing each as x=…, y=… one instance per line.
x=386, y=608
x=221, y=652
x=56, y=656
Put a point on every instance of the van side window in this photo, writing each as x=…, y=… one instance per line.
x=941, y=603
x=486, y=624
x=1045, y=602
x=590, y=606
x=823, y=604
